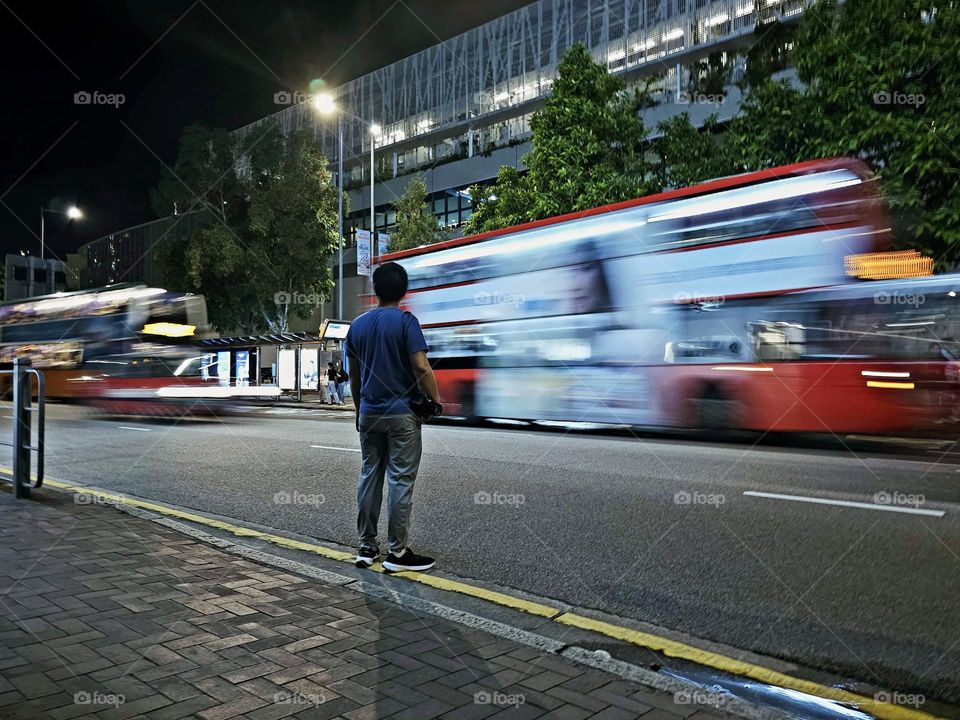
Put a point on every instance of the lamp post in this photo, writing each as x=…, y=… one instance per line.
x=72, y=213
x=326, y=105
x=375, y=130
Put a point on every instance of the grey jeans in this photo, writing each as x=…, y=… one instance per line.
x=390, y=445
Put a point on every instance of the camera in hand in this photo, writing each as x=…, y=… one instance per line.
x=425, y=408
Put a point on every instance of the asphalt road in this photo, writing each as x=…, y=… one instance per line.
x=657, y=529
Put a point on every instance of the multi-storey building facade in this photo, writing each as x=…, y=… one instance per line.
x=460, y=109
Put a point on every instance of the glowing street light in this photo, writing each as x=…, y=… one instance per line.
x=72, y=213
x=326, y=105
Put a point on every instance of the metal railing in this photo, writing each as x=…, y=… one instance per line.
x=23, y=406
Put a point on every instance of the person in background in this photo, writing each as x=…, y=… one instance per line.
x=389, y=368
x=342, y=379
x=332, y=397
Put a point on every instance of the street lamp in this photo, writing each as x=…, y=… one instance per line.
x=375, y=132
x=326, y=105
x=72, y=213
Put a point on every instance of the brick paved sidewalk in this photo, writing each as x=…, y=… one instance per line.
x=106, y=615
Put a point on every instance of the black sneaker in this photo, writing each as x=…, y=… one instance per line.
x=407, y=560
x=367, y=556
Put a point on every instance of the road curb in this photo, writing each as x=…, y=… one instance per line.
x=578, y=655
x=665, y=646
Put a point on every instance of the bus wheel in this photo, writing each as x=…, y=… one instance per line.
x=715, y=411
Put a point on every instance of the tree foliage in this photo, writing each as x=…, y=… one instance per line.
x=882, y=82
x=416, y=224
x=875, y=79
x=273, y=228
x=689, y=155
x=588, y=150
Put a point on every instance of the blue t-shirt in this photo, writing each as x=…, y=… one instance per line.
x=379, y=345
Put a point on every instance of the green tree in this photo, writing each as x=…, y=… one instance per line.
x=710, y=77
x=884, y=80
x=416, y=224
x=770, y=50
x=588, y=149
x=879, y=80
x=273, y=225
x=689, y=155
x=777, y=126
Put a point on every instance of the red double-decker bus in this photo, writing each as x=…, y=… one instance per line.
x=647, y=312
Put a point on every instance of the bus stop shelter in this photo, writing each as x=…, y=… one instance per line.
x=293, y=361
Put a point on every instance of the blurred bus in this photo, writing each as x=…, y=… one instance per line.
x=74, y=337
x=870, y=357
x=611, y=315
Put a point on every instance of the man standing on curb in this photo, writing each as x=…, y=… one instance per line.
x=388, y=369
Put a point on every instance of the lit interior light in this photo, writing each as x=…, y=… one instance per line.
x=217, y=392
x=718, y=19
x=529, y=240
x=183, y=366
x=742, y=368
x=890, y=385
x=674, y=34
x=884, y=374
x=169, y=329
x=755, y=195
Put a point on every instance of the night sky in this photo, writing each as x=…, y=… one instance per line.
x=217, y=62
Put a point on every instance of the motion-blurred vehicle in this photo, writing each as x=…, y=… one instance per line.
x=678, y=310
x=152, y=379
x=73, y=336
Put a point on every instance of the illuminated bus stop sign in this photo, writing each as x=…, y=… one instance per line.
x=334, y=329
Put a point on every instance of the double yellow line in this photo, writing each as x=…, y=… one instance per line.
x=665, y=646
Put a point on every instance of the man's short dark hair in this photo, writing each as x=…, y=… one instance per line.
x=390, y=282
